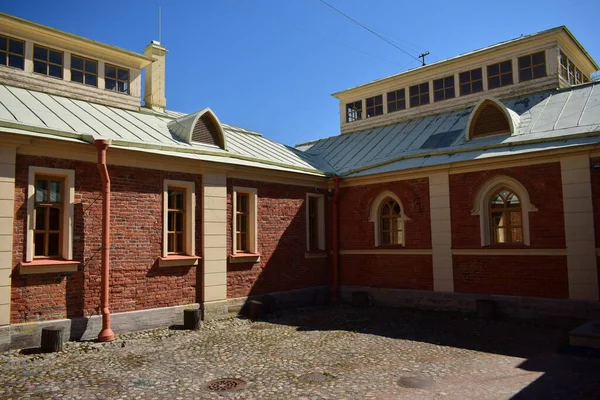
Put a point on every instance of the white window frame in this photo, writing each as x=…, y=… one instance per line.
x=483, y=197
x=252, y=220
x=68, y=201
x=375, y=217
x=189, y=246
x=321, y=221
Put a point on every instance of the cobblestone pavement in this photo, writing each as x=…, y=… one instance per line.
x=375, y=353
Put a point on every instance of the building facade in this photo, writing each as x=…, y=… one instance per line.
x=474, y=177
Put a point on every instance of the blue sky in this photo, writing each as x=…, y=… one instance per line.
x=271, y=65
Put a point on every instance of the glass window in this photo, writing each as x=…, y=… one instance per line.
x=532, y=66
x=313, y=223
x=396, y=100
x=390, y=219
x=374, y=106
x=12, y=52
x=176, y=221
x=47, y=61
x=47, y=217
x=471, y=82
x=443, y=88
x=354, y=111
x=500, y=74
x=242, y=216
x=506, y=218
x=116, y=78
x=419, y=94
x=84, y=70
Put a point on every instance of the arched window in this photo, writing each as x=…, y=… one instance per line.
x=503, y=207
x=390, y=222
x=387, y=215
x=491, y=117
x=506, y=217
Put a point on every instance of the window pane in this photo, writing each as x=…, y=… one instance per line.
x=3, y=43
x=40, y=53
x=54, y=219
x=500, y=235
x=515, y=219
x=56, y=57
x=77, y=76
x=497, y=219
x=243, y=224
x=53, y=244
x=438, y=84
x=517, y=235
x=476, y=74
x=413, y=90
x=539, y=71
x=507, y=79
x=493, y=69
x=110, y=84
x=16, y=46
x=40, y=218
x=539, y=58
x=90, y=79
x=391, y=96
x=525, y=75
x=449, y=93
x=123, y=87
x=179, y=199
x=524, y=62
x=506, y=66
x=449, y=81
x=385, y=224
x=55, y=191
x=171, y=243
x=171, y=221
x=179, y=222
x=40, y=190
x=110, y=72
x=39, y=67
x=123, y=74
x=2, y=58
x=91, y=66
x=38, y=241
x=55, y=70
x=392, y=107
x=477, y=86
x=179, y=246
x=76, y=62
x=15, y=61
x=437, y=96
x=425, y=98
x=494, y=82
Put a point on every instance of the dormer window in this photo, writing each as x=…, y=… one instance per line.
x=116, y=78
x=443, y=88
x=419, y=94
x=489, y=117
x=571, y=73
x=532, y=66
x=84, y=70
x=354, y=111
x=47, y=61
x=470, y=82
x=500, y=74
x=374, y=106
x=12, y=52
x=396, y=100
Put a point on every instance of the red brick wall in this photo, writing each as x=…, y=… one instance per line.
x=281, y=242
x=543, y=184
x=136, y=242
x=357, y=232
x=537, y=276
x=387, y=271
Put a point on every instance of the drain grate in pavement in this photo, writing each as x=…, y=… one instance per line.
x=314, y=378
x=415, y=382
x=224, y=385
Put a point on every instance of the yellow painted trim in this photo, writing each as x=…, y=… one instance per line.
x=49, y=268
x=426, y=252
x=509, y=252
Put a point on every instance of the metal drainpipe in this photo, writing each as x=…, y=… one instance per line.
x=335, y=241
x=106, y=334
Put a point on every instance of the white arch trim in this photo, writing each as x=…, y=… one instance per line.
x=183, y=127
x=483, y=197
x=514, y=119
x=374, y=215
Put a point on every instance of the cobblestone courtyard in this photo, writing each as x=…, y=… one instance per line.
x=358, y=354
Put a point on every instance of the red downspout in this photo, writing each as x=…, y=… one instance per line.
x=335, y=241
x=106, y=334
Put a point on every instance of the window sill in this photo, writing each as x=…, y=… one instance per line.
x=48, y=266
x=244, y=258
x=316, y=254
x=178, y=261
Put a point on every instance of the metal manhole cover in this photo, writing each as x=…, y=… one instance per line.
x=314, y=378
x=225, y=385
x=415, y=382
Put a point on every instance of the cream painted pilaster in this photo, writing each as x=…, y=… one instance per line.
x=214, y=213
x=579, y=227
x=441, y=237
x=7, y=198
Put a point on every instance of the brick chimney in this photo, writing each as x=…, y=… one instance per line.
x=154, y=96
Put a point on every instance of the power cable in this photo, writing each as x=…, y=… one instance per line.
x=369, y=30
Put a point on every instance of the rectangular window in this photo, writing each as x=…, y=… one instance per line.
x=12, y=52
x=84, y=70
x=564, y=66
x=354, y=111
x=396, y=100
x=419, y=94
x=50, y=207
x=47, y=216
x=47, y=61
x=532, y=66
x=176, y=220
x=443, y=88
x=244, y=221
x=116, y=79
x=471, y=82
x=179, y=213
x=500, y=74
x=315, y=222
x=374, y=106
